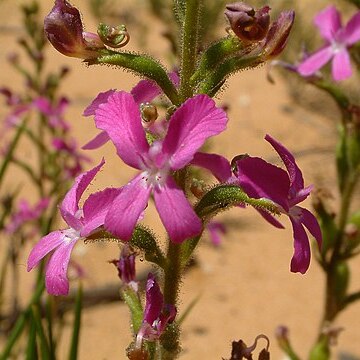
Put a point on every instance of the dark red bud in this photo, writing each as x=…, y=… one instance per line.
x=247, y=23
x=64, y=29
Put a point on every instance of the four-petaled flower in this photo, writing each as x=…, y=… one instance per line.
x=189, y=127
x=337, y=40
x=82, y=222
x=259, y=179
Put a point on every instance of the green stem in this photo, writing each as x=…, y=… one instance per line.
x=142, y=65
x=21, y=322
x=332, y=308
x=215, y=55
x=172, y=274
x=12, y=147
x=189, y=47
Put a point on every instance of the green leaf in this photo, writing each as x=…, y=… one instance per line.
x=44, y=344
x=132, y=300
x=31, y=350
x=73, y=355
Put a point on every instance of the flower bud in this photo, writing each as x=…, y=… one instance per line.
x=64, y=29
x=148, y=112
x=247, y=23
x=278, y=34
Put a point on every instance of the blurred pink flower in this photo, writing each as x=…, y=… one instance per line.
x=337, y=41
x=25, y=213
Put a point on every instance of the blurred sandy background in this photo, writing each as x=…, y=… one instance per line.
x=245, y=286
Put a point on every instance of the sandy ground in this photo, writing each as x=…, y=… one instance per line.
x=245, y=286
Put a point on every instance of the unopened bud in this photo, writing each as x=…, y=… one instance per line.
x=115, y=37
x=148, y=112
x=64, y=29
x=247, y=23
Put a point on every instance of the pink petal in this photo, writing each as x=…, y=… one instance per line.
x=311, y=223
x=120, y=118
x=95, y=209
x=44, y=247
x=145, y=91
x=175, y=212
x=154, y=300
x=301, y=195
x=71, y=200
x=216, y=229
x=43, y=105
x=341, y=66
x=270, y=219
x=329, y=22
x=296, y=178
x=56, y=280
x=190, y=126
x=127, y=208
x=315, y=61
x=301, y=259
x=100, y=99
x=259, y=179
x=351, y=33
x=216, y=164
x=99, y=140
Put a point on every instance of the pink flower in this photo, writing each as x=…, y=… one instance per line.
x=259, y=179
x=189, y=127
x=337, y=40
x=82, y=222
x=26, y=213
x=53, y=112
x=74, y=166
x=157, y=315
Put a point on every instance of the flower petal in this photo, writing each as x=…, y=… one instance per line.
x=46, y=244
x=329, y=22
x=154, y=300
x=194, y=122
x=301, y=259
x=352, y=30
x=120, y=118
x=56, y=280
x=216, y=164
x=127, y=208
x=295, y=175
x=315, y=61
x=341, y=66
x=70, y=204
x=101, y=98
x=99, y=140
x=147, y=90
x=259, y=179
x=95, y=209
x=175, y=212
x=311, y=223
x=270, y=219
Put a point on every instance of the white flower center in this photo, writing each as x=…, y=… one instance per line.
x=70, y=235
